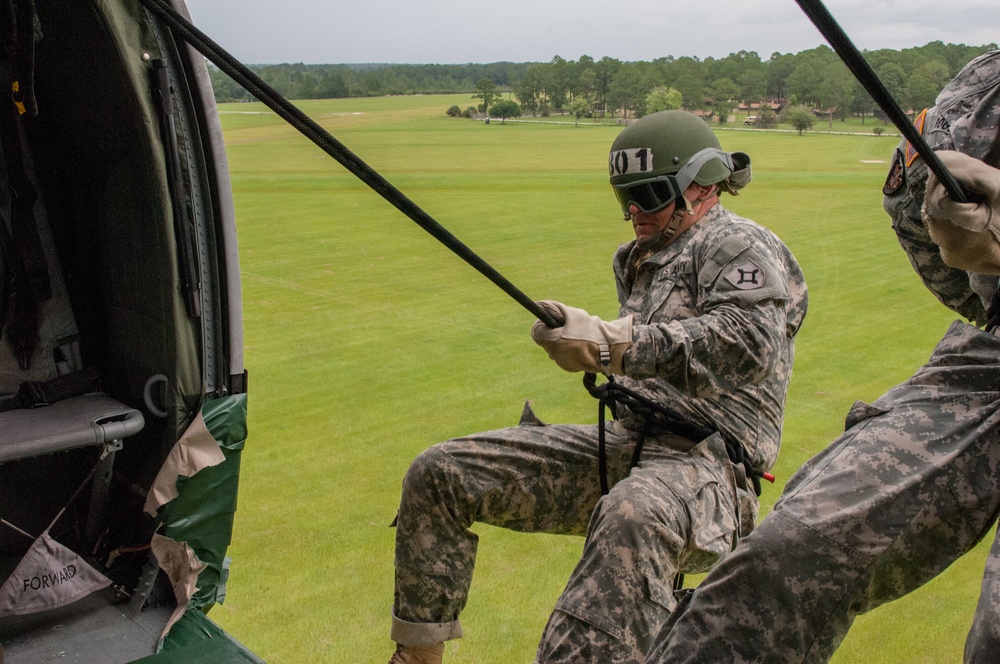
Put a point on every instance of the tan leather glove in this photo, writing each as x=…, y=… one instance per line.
x=583, y=342
x=968, y=234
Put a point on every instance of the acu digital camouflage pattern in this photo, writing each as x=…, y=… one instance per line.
x=912, y=484
x=726, y=283
x=964, y=118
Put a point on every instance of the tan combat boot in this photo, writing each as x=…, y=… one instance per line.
x=418, y=654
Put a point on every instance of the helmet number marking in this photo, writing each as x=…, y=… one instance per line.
x=631, y=160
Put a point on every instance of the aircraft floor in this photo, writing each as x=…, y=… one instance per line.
x=89, y=631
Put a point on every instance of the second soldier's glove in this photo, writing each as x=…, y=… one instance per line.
x=583, y=342
x=968, y=234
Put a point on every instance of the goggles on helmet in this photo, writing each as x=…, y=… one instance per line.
x=654, y=194
x=648, y=195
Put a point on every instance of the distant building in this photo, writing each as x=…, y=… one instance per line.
x=754, y=108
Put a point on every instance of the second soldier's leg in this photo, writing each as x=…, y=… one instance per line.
x=983, y=643
x=903, y=493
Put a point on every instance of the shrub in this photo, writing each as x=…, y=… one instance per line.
x=767, y=119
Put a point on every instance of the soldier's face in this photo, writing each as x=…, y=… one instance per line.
x=650, y=224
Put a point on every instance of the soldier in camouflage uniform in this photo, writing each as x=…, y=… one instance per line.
x=709, y=305
x=914, y=482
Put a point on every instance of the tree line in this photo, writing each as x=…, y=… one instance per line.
x=814, y=78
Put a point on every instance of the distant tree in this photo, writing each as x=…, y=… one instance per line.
x=583, y=79
x=893, y=78
x=805, y=78
x=560, y=82
x=662, y=98
x=553, y=85
x=688, y=76
x=487, y=91
x=579, y=107
x=454, y=111
x=836, y=90
x=225, y=88
x=626, y=89
x=587, y=84
x=924, y=83
x=800, y=117
x=606, y=69
x=505, y=108
x=752, y=84
x=726, y=93
x=530, y=90
x=767, y=118
x=861, y=102
x=779, y=67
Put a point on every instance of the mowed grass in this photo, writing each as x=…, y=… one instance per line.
x=368, y=341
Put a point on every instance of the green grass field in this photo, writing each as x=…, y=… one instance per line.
x=367, y=341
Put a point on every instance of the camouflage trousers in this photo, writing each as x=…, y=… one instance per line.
x=911, y=486
x=676, y=511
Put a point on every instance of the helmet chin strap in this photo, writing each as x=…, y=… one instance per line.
x=664, y=237
x=677, y=218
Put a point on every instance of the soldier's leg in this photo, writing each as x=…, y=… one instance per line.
x=909, y=488
x=672, y=513
x=763, y=603
x=983, y=643
x=526, y=478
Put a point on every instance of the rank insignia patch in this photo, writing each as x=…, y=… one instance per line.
x=746, y=276
x=897, y=175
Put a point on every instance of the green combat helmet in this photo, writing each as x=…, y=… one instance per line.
x=657, y=157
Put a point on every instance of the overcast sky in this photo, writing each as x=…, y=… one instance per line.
x=461, y=31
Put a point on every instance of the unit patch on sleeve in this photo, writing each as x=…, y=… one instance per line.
x=911, y=152
x=897, y=174
x=746, y=276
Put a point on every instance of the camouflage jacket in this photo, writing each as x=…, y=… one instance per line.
x=714, y=316
x=964, y=118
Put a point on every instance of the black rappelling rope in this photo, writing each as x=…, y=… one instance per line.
x=302, y=122
x=862, y=71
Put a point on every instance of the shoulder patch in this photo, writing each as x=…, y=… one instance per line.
x=746, y=276
x=911, y=153
x=897, y=174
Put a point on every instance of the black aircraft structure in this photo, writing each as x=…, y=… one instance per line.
x=123, y=393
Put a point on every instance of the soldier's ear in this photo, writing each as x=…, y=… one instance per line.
x=706, y=191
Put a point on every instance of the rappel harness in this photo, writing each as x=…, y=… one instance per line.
x=656, y=418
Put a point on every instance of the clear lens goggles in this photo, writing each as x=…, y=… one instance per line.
x=650, y=196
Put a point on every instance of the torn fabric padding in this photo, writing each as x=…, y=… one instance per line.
x=196, y=449
x=182, y=567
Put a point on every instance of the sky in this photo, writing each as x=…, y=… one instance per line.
x=462, y=31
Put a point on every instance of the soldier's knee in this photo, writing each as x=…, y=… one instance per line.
x=427, y=473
